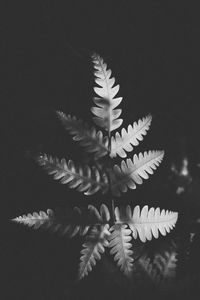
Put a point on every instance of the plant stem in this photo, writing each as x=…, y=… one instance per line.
x=112, y=208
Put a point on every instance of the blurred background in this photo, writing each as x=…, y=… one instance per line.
x=152, y=48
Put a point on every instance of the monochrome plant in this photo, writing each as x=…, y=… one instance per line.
x=161, y=269
x=109, y=226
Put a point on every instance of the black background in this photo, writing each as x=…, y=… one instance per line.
x=153, y=50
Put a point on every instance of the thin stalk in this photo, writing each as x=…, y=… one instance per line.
x=112, y=208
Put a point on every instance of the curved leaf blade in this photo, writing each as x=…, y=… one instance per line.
x=162, y=269
x=120, y=247
x=36, y=220
x=120, y=144
x=147, y=223
x=92, y=140
x=132, y=172
x=70, y=224
x=86, y=179
x=94, y=246
x=106, y=116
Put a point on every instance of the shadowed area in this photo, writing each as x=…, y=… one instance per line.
x=45, y=67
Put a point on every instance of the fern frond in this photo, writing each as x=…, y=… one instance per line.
x=132, y=172
x=96, y=241
x=37, y=220
x=147, y=223
x=130, y=137
x=167, y=264
x=94, y=246
x=92, y=140
x=120, y=247
x=162, y=270
x=69, y=224
x=84, y=179
x=106, y=116
x=102, y=216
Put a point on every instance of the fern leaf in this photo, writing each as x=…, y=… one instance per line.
x=94, y=246
x=133, y=172
x=86, y=179
x=129, y=137
x=101, y=217
x=147, y=223
x=162, y=270
x=96, y=241
x=167, y=263
x=120, y=246
x=92, y=140
x=70, y=222
x=106, y=116
x=69, y=225
x=36, y=220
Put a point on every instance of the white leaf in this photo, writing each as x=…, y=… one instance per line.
x=106, y=116
x=132, y=172
x=120, y=247
x=94, y=246
x=130, y=137
x=36, y=220
x=86, y=179
x=147, y=223
x=92, y=140
x=70, y=224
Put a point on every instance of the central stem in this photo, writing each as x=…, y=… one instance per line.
x=112, y=208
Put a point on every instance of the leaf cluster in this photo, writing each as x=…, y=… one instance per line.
x=110, y=227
